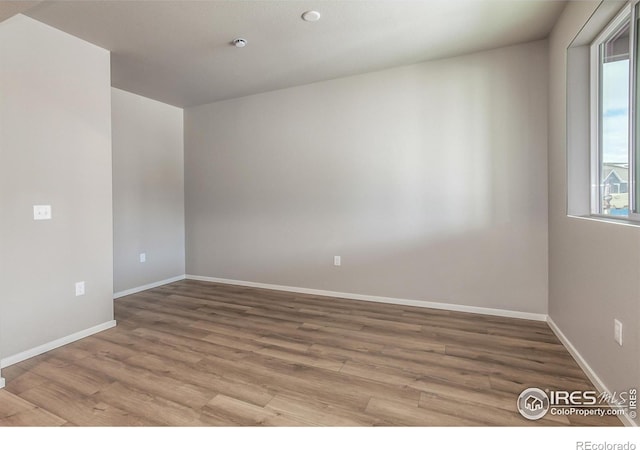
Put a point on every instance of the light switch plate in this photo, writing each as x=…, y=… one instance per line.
x=79, y=288
x=41, y=212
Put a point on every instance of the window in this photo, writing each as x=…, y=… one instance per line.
x=612, y=69
x=603, y=115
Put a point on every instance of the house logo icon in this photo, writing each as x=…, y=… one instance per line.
x=533, y=403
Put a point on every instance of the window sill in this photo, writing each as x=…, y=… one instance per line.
x=616, y=221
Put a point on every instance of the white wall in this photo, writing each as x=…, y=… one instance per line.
x=55, y=148
x=429, y=180
x=594, y=267
x=148, y=190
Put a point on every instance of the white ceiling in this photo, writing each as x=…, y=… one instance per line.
x=179, y=52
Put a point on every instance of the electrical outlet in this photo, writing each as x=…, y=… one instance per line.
x=617, y=331
x=143, y=257
x=79, y=288
x=41, y=212
x=337, y=261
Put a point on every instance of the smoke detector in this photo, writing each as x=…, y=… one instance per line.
x=311, y=16
x=239, y=43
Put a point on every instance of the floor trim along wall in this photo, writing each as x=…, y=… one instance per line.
x=135, y=290
x=374, y=298
x=586, y=368
x=591, y=374
x=10, y=360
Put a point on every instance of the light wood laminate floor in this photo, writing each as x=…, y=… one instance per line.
x=202, y=354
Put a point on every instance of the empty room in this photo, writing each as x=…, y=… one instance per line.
x=320, y=214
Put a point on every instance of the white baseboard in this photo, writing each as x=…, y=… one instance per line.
x=586, y=368
x=595, y=379
x=10, y=360
x=378, y=299
x=135, y=290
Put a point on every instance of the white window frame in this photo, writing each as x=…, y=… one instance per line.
x=628, y=12
x=634, y=206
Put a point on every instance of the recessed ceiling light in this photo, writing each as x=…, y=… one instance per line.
x=311, y=16
x=239, y=42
